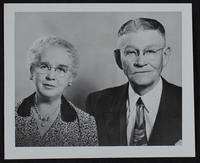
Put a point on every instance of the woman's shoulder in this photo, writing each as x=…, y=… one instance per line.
x=82, y=115
x=18, y=104
x=17, y=107
x=23, y=107
x=87, y=126
x=22, y=117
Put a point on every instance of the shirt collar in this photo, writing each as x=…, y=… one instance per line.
x=151, y=99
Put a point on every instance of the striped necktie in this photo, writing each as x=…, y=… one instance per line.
x=138, y=135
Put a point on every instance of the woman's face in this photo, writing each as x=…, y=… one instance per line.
x=51, y=73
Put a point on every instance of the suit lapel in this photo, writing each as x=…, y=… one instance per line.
x=122, y=108
x=157, y=130
x=164, y=120
x=115, y=117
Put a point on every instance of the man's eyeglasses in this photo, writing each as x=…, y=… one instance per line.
x=148, y=52
x=44, y=68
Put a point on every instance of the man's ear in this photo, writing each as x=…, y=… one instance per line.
x=31, y=75
x=118, y=58
x=166, y=55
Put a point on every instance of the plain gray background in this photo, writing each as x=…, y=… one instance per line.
x=94, y=34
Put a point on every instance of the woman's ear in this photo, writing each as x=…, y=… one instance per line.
x=69, y=83
x=70, y=79
x=166, y=55
x=118, y=58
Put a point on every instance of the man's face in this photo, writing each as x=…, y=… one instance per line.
x=51, y=82
x=143, y=56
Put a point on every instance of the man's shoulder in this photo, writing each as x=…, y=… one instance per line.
x=172, y=88
x=172, y=97
x=111, y=91
x=106, y=98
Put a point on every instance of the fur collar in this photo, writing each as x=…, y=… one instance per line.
x=68, y=113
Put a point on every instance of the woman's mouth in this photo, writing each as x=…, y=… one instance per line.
x=49, y=86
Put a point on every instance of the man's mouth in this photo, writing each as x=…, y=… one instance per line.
x=142, y=72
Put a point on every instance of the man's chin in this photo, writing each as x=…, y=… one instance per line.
x=141, y=82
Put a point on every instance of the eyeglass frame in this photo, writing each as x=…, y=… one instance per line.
x=145, y=51
x=49, y=68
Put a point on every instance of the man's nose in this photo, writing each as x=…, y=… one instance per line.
x=140, y=60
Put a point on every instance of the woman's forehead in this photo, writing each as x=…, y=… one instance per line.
x=55, y=56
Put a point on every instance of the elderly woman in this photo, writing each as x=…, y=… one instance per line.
x=46, y=118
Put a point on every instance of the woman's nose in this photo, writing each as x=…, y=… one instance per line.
x=51, y=74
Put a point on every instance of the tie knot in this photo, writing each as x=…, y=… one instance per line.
x=139, y=102
x=140, y=105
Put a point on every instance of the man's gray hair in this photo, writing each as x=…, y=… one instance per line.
x=141, y=24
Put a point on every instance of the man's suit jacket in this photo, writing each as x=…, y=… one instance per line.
x=109, y=109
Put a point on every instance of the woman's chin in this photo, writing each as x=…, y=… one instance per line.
x=50, y=94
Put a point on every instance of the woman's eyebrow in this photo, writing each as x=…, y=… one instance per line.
x=62, y=65
x=44, y=63
x=59, y=65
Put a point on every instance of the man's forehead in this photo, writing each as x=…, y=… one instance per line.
x=141, y=37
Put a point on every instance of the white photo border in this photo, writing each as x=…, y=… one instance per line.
x=187, y=149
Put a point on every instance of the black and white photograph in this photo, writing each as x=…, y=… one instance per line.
x=98, y=81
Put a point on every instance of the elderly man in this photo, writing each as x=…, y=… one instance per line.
x=147, y=110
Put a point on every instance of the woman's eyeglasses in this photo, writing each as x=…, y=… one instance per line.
x=60, y=71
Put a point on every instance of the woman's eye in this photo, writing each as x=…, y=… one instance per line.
x=43, y=66
x=150, y=51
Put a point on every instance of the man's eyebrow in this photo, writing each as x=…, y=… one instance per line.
x=149, y=46
x=152, y=46
x=130, y=46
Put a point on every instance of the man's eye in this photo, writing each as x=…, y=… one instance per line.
x=61, y=69
x=130, y=52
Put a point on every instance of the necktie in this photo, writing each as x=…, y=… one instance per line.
x=138, y=136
